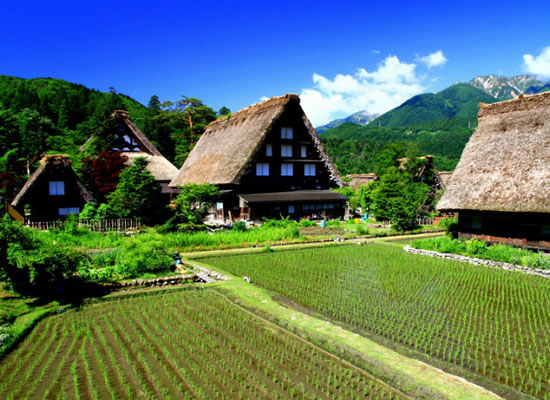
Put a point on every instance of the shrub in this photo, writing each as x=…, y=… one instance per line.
x=333, y=223
x=284, y=222
x=239, y=226
x=32, y=266
x=304, y=223
x=130, y=261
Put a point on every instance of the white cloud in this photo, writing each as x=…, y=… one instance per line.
x=377, y=92
x=435, y=59
x=538, y=65
x=375, y=51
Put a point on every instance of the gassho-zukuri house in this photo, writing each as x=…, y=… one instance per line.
x=52, y=191
x=267, y=161
x=501, y=186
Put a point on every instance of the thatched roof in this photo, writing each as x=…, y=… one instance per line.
x=51, y=161
x=358, y=180
x=506, y=164
x=145, y=145
x=228, y=145
x=445, y=177
x=158, y=166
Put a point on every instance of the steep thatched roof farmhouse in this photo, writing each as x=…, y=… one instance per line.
x=53, y=190
x=271, y=149
x=357, y=180
x=501, y=186
x=132, y=143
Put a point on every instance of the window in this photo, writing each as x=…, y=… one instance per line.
x=57, y=188
x=268, y=150
x=291, y=209
x=476, y=223
x=219, y=205
x=287, y=133
x=262, y=169
x=303, y=151
x=286, y=150
x=69, y=210
x=309, y=169
x=287, y=169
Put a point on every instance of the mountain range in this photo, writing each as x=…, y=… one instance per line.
x=360, y=117
x=458, y=101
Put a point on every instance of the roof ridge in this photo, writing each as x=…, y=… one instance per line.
x=273, y=101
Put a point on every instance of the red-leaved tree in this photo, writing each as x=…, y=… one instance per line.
x=101, y=173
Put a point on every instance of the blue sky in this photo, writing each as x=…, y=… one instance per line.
x=340, y=56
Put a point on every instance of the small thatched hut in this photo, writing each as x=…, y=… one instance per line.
x=501, y=186
x=268, y=161
x=357, y=180
x=52, y=191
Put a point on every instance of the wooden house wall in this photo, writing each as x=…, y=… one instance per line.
x=531, y=230
x=250, y=183
x=45, y=206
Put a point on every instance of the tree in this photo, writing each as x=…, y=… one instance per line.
x=189, y=117
x=398, y=199
x=222, y=112
x=34, y=132
x=191, y=205
x=101, y=173
x=136, y=194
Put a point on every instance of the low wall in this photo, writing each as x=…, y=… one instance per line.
x=480, y=261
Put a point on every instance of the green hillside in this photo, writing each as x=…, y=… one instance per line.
x=354, y=148
x=458, y=101
x=66, y=104
x=46, y=115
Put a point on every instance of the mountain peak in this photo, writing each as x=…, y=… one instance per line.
x=363, y=117
x=504, y=88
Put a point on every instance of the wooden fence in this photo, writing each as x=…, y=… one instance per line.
x=99, y=225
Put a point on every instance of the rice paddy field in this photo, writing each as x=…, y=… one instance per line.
x=491, y=323
x=188, y=343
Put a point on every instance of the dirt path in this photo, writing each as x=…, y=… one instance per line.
x=280, y=247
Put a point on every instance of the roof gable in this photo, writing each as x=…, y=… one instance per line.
x=229, y=144
x=49, y=162
x=128, y=128
x=506, y=164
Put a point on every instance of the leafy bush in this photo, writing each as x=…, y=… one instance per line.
x=239, y=226
x=129, y=261
x=304, y=223
x=32, y=266
x=278, y=223
x=333, y=223
x=192, y=205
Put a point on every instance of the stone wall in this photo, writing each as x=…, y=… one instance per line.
x=479, y=261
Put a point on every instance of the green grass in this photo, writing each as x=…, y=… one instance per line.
x=487, y=324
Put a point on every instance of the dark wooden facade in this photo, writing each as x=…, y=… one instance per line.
x=52, y=192
x=305, y=183
x=268, y=162
x=531, y=230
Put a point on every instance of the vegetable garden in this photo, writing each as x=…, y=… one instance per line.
x=177, y=344
x=492, y=323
